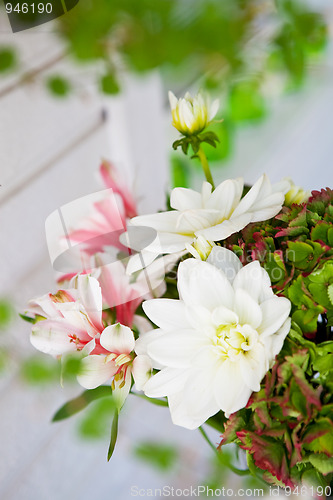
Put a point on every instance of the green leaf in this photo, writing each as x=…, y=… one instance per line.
x=7, y=59
x=322, y=463
x=298, y=251
x=323, y=363
x=38, y=370
x=28, y=319
x=58, y=86
x=114, y=434
x=109, y=84
x=77, y=404
x=161, y=456
x=330, y=293
x=5, y=313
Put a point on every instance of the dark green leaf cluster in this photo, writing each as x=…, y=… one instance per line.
x=296, y=249
x=287, y=427
x=195, y=142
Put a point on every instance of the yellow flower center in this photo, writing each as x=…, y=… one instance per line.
x=232, y=340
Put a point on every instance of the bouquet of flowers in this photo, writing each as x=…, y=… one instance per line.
x=220, y=309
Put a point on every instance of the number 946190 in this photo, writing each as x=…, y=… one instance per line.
x=25, y=8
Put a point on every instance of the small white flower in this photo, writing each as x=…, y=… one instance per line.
x=216, y=343
x=212, y=216
x=201, y=248
x=296, y=194
x=191, y=115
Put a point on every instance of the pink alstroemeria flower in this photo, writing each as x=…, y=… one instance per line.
x=70, y=320
x=108, y=218
x=118, y=362
x=73, y=322
x=103, y=226
x=113, y=180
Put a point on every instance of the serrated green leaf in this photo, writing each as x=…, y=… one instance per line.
x=322, y=463
x=298, y=251
x=323, y=363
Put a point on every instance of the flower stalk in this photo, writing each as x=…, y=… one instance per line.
x=205, y=166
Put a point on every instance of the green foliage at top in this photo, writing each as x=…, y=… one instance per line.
x=175, y=34
x=296, y=249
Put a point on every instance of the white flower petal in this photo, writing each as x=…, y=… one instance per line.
x=140, y=260
x=118, y=338
x=162, y=221
x=121, y=389
x=175, y=349
x=250, y=197
x=185, y=199
x=166, y=313
x=247, y=309
x=169, y=243
x=226, y=260
x=268, y=208
x=226, y=228
x=166, y=382
x=225, y=197
x=273, y=343
x=142, y=324
x=52, y=337
x=255, y=280
x=141, y=371
x=90, y=294
x=192, y=407
x=230, y=391
x=275, y=311
x=144, y=340
x=172, y=99
x=214, y=109
x=223, y=316
x=95, y=371
x=200, y=283
x=253, y=366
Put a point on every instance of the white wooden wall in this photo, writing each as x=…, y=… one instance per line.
x=49, y=154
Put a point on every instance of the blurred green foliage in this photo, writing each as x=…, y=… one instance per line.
x=38, y=370
x=161, y=456
x=58, y=86
x=8, y=59
x=97, y=419
x=230, y=47
x=6, y=313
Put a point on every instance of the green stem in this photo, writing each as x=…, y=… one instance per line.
x=203, y=432
x=205, y=166
x=233, y=469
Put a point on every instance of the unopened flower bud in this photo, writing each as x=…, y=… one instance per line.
x=191, y=115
